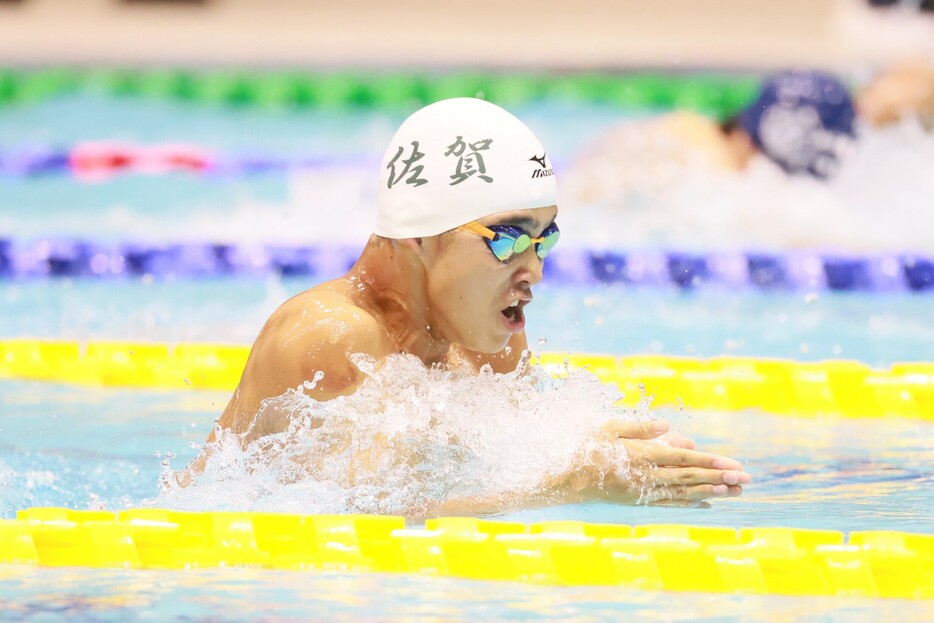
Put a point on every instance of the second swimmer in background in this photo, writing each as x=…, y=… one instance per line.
x=801, y=120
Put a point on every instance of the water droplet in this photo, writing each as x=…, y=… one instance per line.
x=310, y=385
x=542, y=340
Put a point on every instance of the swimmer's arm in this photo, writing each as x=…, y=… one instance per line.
x=291, y=349
x=658, y=474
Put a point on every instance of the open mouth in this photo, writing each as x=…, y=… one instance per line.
x=514, y=315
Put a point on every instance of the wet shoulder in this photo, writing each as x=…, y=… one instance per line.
x=324, y=320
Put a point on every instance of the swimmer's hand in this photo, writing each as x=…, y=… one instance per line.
x=663, y=468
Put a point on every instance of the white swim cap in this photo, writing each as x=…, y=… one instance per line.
x=458, y=160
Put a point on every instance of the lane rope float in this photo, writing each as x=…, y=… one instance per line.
x=775, y=561
x=100, y=161
x=717, y=94
x=841, y=388
x=61, y=258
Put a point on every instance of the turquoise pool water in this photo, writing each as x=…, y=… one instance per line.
x=91, y=448
x=87, y=447
x=241, y=594
x=878, y=330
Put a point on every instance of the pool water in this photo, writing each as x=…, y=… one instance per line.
x=228, y=595
x=87, y=447
x=878, y=330
x=83, y=447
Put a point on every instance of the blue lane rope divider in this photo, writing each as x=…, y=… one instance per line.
x=104, y=160
x=63, y=258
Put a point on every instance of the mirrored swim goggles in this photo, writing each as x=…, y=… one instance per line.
x=507, y=240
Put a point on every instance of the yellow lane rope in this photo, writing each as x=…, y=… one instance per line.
x=782, y=561
x=824, y=388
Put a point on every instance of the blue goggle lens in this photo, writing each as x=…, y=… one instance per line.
x=510, y=240
x=550, y=235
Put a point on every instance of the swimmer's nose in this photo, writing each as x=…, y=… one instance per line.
x=530, y=269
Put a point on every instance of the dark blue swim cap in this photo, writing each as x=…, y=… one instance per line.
x=799, y=119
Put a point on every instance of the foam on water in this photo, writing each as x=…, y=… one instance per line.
x=410, y=438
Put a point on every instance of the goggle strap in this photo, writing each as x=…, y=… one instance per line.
x=480, y=230
x=494, y=236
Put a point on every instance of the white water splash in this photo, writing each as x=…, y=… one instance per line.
x=18, y=489
x=410, y=438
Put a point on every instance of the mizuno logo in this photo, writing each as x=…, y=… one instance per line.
x=544, y=171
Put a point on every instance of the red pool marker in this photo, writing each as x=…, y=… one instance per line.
x=93, y=162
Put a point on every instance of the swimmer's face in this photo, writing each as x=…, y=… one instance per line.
x=475, y=299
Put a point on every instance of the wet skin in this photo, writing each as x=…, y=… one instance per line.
x=446, y=299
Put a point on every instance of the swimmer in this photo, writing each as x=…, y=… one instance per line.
x=466, y=217
x=801, y=120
